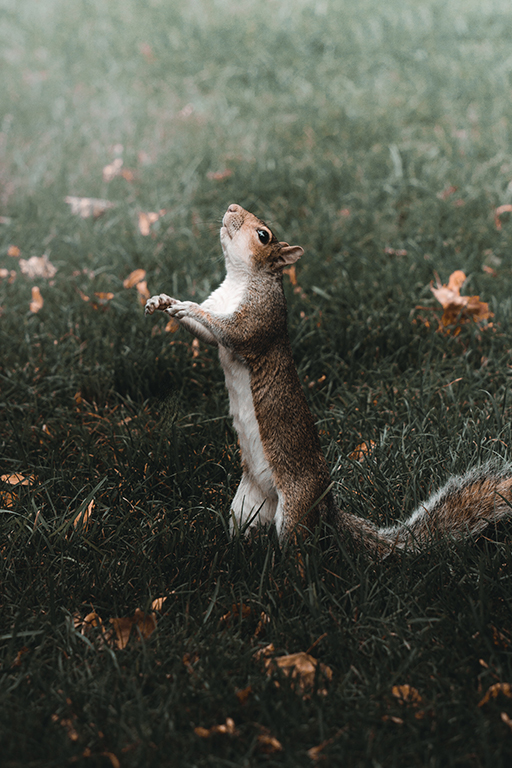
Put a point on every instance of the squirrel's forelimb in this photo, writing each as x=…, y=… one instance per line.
x=285, y=477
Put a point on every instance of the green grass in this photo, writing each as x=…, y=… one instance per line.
x=341, y=124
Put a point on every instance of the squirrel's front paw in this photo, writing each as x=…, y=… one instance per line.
x=161, y=302
x=181, y=309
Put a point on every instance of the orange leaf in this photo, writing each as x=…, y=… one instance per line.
x=134, y=277
x=82, y=519
x=14, y=251
x=37, y=300
x=219, y=175
x=104, y=296
x=17, y=479
x=88, y=206
x=268, y=744
x=142, y=289
x=495, y=690
x=112, y=170
x=362, y=450
x=290, y=271
x=172, y=326
x=459, y=309
x=497, y=213
x=38, y=266
x=146, y=220
x=406, y=694
x=224, y=728
x=302, y=668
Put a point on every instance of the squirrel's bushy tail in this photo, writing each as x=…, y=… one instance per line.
x=461, y=508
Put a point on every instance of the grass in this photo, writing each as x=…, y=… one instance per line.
x=377, y=136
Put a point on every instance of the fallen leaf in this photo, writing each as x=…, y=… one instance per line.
x=268, y=744
x=112, y=170
x=157, y=603
x=314, y=752
x=38, y=266
x=82, y=519
x=144, y=623
x=19, y=656
x=301, y=667
x=497, y=213
x=219, y=175
x=37, y=300
x=495, y=690
x=446, y=193
x=88, y=206
x=172, y=326
x=243, y=694
x=227, y=728
x=146, y=220
x=361, y=451
x=237, y=612
x=142, y=290
x=134, y=277
x=406, y=694
x=290, y=271
x=104, y=297
x=17, y=479
x=392, y=719
x=13, y=251
x=458, y=309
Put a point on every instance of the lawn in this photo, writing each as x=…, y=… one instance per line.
x=378, y=136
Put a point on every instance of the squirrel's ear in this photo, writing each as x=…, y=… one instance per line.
x=288, y=254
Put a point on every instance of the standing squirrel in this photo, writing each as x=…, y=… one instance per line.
x=285, y=476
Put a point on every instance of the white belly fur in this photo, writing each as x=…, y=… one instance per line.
x=257, y=489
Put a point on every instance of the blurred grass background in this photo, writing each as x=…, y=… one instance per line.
x=377, y=135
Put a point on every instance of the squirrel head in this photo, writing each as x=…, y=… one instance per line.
x=249, y=244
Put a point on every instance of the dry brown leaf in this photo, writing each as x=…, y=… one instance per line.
x=237, y=611
x=104, y=296
x=146, y=220
x=290, y=271
x=227, y=728
x=66, y=723
x=392, y=719
x=219, y=175
x=495, y=690
x=38, y=266
x=497, y=213
x=406, y=694
x=37, y=300
x=82, y=520
x=243, y=694
x=112, y=170
x=19, y=656
x=260, y=627
x=302, y=668
x=268, y=744
x=361, y=451
x=17, y=479
x=172, y=326
x=13, y=251
x=157, y=603
x=88, y=206
x=459, y=309
x=134, y=277
x=144, y=623
x=142, y=290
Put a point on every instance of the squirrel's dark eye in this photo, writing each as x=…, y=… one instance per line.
x=263, y=236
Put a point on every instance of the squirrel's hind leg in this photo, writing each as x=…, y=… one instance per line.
x=251, y=506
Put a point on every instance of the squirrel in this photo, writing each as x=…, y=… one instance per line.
x=285, y=479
